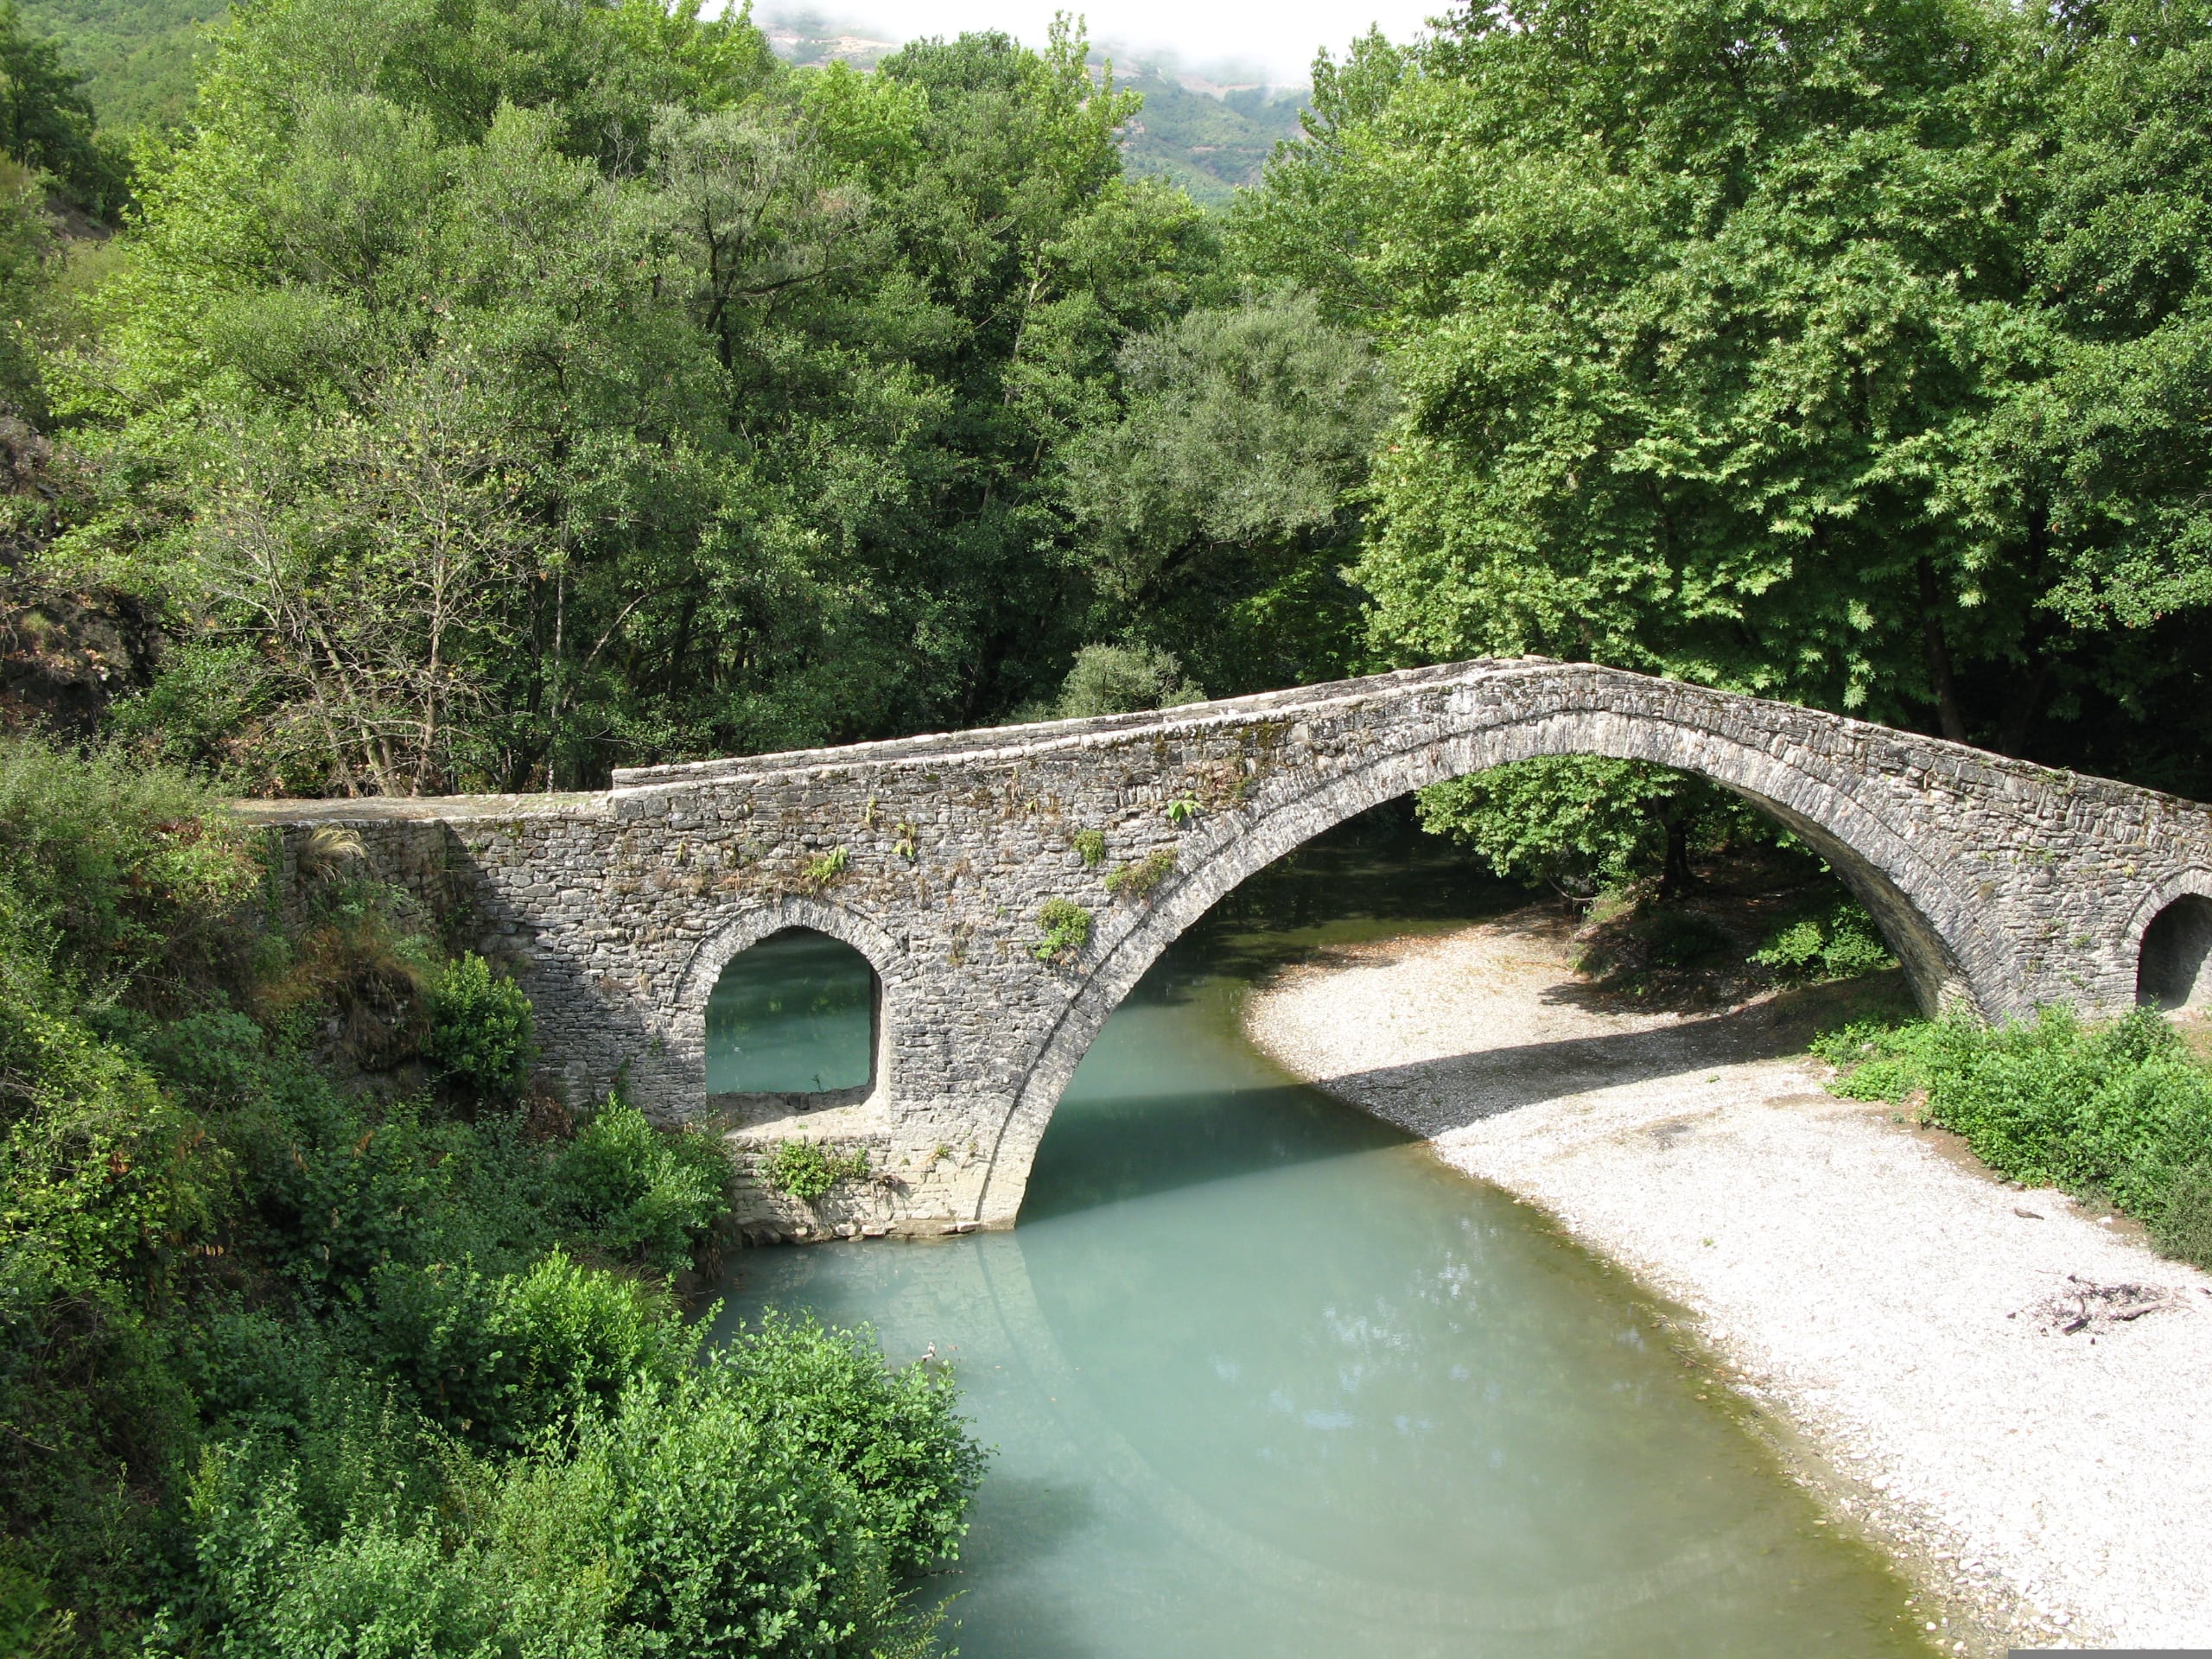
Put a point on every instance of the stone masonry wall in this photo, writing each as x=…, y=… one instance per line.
x=2002, y=885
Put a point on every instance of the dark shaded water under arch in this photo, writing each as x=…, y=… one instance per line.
x=1265, y=1378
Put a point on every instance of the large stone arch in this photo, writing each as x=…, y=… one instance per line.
x=1924, y=911
x=683, y=1019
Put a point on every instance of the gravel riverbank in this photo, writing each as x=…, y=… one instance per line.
x=1955, y=1358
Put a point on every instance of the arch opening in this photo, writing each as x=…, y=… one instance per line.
x=798, y=1014
x=1909, y=902
x=2171, y=970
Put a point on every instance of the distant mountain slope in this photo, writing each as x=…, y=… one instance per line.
x=141, y=54
x=1207, y=137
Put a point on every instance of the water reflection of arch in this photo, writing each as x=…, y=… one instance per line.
x=1924, y=910
x=685, y=1032
x=996, y=1272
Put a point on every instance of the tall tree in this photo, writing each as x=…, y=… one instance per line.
x=1837, y=354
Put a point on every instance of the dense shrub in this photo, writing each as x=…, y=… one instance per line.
x=1842, y=942
x=807, y=1170
x=479, y=1033
x=894, y=1435
x=764, y=1501
x=119, y=876
x=501, y=1357
x=643, y=1195
x=2120, y=1112
x=299, y=1354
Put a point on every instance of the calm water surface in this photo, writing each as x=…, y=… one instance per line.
x=1263, y=1378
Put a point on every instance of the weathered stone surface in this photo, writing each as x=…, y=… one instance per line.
x=2002, y=885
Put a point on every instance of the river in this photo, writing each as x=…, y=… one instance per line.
x=1263, y=1377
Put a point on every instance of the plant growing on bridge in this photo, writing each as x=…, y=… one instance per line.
x=1138, y=880
x=808, y=1170
x=1090, y=846
x=1066, y=927
x=1180, y=812
x=825, y=871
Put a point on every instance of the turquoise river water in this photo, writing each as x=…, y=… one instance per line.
x=1262, y=1377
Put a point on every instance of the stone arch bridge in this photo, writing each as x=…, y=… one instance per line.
x=2001, y=886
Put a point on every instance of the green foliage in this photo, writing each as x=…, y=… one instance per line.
x=1181, y=811
x=46, y=120
x=1220, y=507
x=1122, y=680
x=648, y=406
x=1851, y=355
x=643, y=1195
x=1582, y=823
x=807, y=1170
x=292, y=1367
x=122, y=873
x=1842, y=942
x=2120, y=1112
x=893, y=1436
x=764, y=1501
x=1090, y=846
x=1137, y=880
x=480, y=1034
x=1066, y=927
x=501, y=1358
x=825, y=871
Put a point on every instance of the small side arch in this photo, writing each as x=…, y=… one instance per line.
x=684, y=1018
x=1946, y=951
x=2170, y=937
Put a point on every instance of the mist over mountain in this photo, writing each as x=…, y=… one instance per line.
x=1209, y=133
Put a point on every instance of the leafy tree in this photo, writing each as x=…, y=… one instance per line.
x=1121, y=680
x=46, y=122
x=512, y=392
x=1221, y=506
x=1836, y=354
x=1583, y=823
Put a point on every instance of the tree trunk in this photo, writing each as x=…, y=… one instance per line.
x=1675, y=877
x=1948, y=712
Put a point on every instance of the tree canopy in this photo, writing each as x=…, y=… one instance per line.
x=1838, y=353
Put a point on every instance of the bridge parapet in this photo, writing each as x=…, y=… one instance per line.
x=2002, y=885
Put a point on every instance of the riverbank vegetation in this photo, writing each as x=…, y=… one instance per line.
x=322, y=1329
x=2120, y=1115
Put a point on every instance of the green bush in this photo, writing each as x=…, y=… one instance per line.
x=1841, y=944
x=807, y=1170
x=1090, y=846
x=501, y=1357
x=764, y=1501
x=1066, y=927
x=1121, y=680
x=480, y=1034
x=120, y=876
x=1138, y=880
x=894, y=1435
x=2120, y=1112
x=640, y=1194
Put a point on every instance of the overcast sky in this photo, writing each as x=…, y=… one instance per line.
x=1274, y=39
